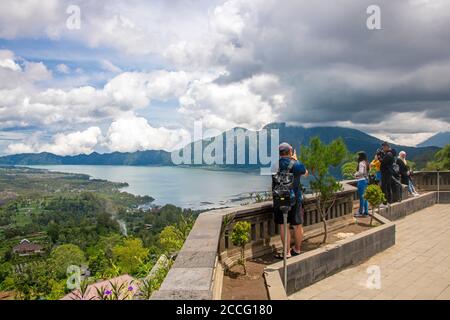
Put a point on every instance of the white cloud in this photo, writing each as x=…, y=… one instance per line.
x=7, y=60
x=109, y=66
x=62, y=68
x=63, y=144
x=133, y=133
x=23, y=104
x=136, y=89
x=31, y=18
x=240, y=63
x=17, y=148
x=250, y=103
x=127, y=134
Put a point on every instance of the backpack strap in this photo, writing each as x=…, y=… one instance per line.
x=291, y=165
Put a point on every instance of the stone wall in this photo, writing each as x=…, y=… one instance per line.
x=427, y=180
x=318, y=264
x=265, y=234
x=402, y=209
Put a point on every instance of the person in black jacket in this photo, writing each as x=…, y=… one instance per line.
x=403, y=168
x=387, y=171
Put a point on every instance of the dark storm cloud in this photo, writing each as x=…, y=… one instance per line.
x=340, y=70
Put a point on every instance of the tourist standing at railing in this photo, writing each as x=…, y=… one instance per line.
x=288, y=162
x=405, y=173
x=387, y=171
x=375, y=164
x=362, y=174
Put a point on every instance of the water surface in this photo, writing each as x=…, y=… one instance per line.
x=184, y=187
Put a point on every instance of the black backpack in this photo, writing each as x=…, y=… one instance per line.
x=283, y=187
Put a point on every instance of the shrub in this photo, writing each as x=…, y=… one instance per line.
x=240, y=236
x=375, y=196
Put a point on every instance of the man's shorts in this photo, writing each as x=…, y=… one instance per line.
x=295, y=215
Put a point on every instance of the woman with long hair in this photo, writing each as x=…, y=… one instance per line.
x=362, y=174
x=405, y=172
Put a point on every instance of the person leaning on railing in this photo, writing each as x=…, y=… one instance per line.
x=362, y=174
x=405, y=173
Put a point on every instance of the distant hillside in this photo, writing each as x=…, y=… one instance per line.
x=296, y=135
x=438, y=140
x=138, y=158
x=355, y=141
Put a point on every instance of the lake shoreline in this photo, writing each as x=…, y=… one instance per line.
x=196, y=188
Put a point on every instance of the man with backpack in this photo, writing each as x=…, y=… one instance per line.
x=287, y=195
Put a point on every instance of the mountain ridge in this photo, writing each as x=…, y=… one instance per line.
x=440, y=139
x=297, y=136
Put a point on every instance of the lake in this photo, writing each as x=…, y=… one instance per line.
x=183, y=187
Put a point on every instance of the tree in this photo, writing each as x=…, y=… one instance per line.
x=240, y=236
x=98, y=262
x=129, y=255
x=32, y=280
x=63, y=256
x=171, y=239
x=441, y=160
x=318, y=158
x=375, y=196
x=348, y=170
x=53, y=231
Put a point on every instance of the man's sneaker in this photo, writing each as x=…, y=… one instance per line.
x=294, y=253
x=359, y=215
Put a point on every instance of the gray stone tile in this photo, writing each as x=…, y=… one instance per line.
x=188, y=279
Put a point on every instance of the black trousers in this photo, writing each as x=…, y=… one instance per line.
x=386, y=186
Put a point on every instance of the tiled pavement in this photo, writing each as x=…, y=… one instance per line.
x=416, y=267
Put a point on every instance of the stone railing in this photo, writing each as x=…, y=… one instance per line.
x=427, y=180
x=264, y=234
x=198, y=269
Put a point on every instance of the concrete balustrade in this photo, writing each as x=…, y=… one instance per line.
x=264, y=233
x=427, y=181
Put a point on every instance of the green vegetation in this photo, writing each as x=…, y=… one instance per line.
x=240, y=236
x=76, y=221
x=375, y=196
x=129, y=255
x=319, y=158
x=348, y=170
x=441, y=160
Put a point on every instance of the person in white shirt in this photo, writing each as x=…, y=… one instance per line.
x=362, y=174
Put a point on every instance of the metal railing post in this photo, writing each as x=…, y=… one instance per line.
x=285, y=246
x=438, y=185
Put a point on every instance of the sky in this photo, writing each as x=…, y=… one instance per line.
x=84, y=76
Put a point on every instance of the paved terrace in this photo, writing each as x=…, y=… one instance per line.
x=417, y=267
